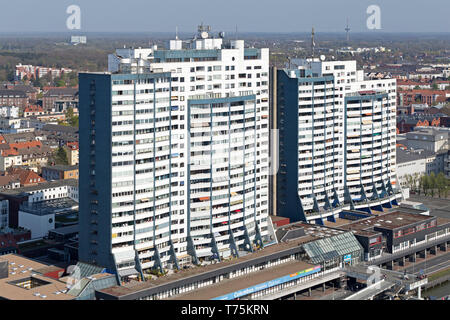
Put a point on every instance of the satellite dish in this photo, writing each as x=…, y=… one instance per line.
x=322, y=58
x=222, y=34
x=204, y=35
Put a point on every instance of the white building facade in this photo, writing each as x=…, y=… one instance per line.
x=189, y=155
x=344, y=154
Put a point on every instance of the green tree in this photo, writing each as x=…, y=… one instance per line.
x=73, y=122
x=425, y=184
x=60, y=83
x=73, y=82
x=432, y=182
x=409, y=181
x=71, y=119
x=69, y=112
x=441, y=183
x=61, y=156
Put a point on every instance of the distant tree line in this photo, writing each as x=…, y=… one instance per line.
x=428, y=185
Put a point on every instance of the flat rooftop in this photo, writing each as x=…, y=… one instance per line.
x=243, y=282
x=41, y=186
x=66, y=230
x=390, y=221
x=314, y=231
x=339, y=222
x=61, y=205
x=277, y=218
x=69, y=279
x=134, y=287
x=60, y=167
x=24, y=271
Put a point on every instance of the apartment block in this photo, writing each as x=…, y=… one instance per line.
x=174, y=155
x=337, y=140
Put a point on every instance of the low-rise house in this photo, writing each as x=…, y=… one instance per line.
x=13, y=97
x=59, y=99
x=9, y=158
x=72, y=150
x=9, y=182
x=9, y=112
x=33, y=111
x=409, y=122
x=30, y=91
x=26, y=177
x=60, y=172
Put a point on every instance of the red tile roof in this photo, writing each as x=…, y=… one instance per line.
x=33, y=108
x=27, y=177
x=26, y=144
x=73, y=145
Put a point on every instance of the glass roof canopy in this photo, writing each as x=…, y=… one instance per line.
x=332, y=248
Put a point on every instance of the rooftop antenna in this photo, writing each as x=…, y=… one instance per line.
x=235, y=34
x=176, y=33
x=203, y=31
x=313, y=44
x=347, y=29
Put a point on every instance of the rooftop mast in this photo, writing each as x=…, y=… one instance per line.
x=347, y=29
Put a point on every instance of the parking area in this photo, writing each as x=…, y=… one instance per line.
x=439, y=207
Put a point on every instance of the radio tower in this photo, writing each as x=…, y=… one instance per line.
x=313, y=44
x=347, y=29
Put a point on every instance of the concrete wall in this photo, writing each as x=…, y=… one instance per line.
x=410, y=168
x=39, y=225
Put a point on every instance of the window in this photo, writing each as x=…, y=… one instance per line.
x=374, y=241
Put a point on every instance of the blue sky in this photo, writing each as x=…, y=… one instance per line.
x=248, y=15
